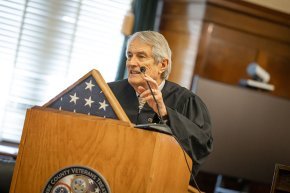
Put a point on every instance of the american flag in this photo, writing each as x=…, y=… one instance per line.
x=87, y=98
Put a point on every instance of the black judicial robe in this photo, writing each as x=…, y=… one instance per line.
x=188, y=117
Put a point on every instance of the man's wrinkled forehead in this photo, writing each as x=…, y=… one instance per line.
x=138, y=46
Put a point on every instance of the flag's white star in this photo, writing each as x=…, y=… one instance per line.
x=74, y=98
x=103, y=105
x=89, y=85
x=89, y=101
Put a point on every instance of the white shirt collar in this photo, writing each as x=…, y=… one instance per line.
x=160, y=87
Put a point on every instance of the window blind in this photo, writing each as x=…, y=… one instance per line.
x=47, y=45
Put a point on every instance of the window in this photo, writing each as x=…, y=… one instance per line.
x=47, y=45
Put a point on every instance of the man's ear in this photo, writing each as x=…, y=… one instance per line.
x=163, y=65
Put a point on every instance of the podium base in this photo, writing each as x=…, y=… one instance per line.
x=162, y=128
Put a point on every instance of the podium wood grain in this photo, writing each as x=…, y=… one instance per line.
x=130, y=159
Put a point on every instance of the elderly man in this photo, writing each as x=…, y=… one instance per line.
x=179, y=108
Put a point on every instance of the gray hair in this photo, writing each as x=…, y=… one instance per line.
x=160, y=47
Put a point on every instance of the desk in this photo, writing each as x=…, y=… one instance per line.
x=251, y=130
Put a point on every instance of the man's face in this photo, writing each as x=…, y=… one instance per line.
x=140, y=54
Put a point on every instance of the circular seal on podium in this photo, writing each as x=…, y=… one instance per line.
x=77, y=179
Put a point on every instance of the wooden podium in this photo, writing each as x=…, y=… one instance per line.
x=130, y=159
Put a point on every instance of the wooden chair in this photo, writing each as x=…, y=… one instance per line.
x=281, y=179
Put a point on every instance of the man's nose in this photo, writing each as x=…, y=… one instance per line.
x=132, y=61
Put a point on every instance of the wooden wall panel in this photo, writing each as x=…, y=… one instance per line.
x=222, y=37
x=279, y=66
x=225, y=53
x=227, y=61
x=246, y=22
x=181, y=24
x=237, y=50
x=183, y=62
